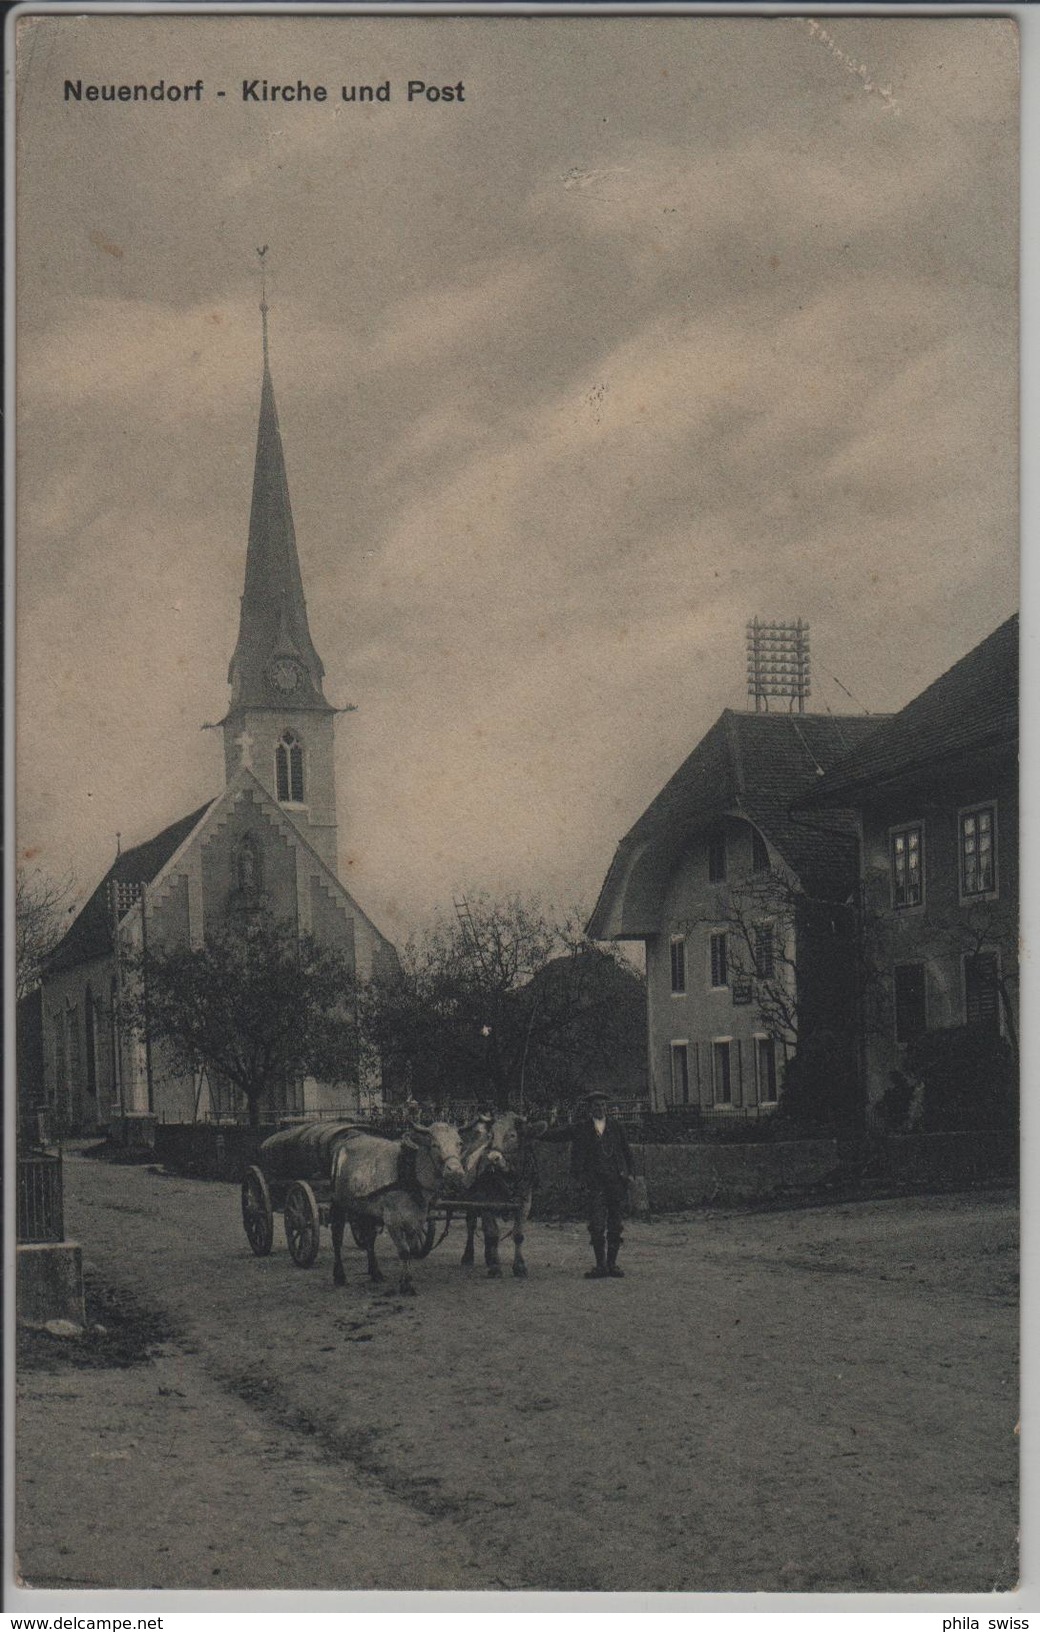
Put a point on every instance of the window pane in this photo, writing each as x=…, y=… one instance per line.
x=296, y=772
x=678, y=965
x=765, y=963
x=719, y=976
x=907, y=868
x=282, y=766
x=978, y=833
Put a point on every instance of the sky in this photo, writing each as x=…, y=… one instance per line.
x=669, y=323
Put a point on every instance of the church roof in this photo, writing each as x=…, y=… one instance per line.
x=972, y=709
x=273, y=618
x=90, y=934
x=753, y=766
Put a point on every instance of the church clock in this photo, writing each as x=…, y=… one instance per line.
x=286, y=675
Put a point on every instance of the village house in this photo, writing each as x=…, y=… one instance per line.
x=745, y=908
x=935, y=791
x=268, y=840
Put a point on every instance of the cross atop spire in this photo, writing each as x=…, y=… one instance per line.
x=263, y=298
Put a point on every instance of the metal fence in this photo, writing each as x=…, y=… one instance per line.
x=41, y=1211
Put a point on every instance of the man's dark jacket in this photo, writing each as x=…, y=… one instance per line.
x=596, y=1155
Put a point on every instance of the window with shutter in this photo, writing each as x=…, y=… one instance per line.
x=910, y=1004
x=678, y=963
x=722, y=1072
x=982, y=991
x=716, y=858
x=765, y=1065
x=680, y=1074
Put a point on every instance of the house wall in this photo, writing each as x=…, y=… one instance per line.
x=694, y=909
x=944, y=928
x=80, y=1086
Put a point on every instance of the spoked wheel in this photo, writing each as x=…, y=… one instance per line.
x=302, y=1224
x=429, y=1239
x=257, y=1212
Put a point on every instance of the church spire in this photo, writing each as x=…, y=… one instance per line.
x=274, y=659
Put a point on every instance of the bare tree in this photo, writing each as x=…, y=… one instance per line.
x=41, y=908
x=506, y=1000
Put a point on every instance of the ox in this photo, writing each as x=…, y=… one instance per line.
x=506, y=1174
x=389, y=1183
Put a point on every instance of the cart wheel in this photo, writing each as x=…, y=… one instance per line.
x=302, y=1224
x=427, y=1246
x=257, y=1212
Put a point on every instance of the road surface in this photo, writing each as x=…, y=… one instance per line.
x=814, y=1400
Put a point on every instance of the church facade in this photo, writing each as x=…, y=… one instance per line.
x=268, y=841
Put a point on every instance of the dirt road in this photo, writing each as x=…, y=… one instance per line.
x=819, y=1400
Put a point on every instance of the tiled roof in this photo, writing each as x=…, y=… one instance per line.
x=90, y=933
x=971, y=709
x=751, y=765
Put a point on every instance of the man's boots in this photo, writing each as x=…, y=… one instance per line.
x=612, y=1263
x=601, y=1271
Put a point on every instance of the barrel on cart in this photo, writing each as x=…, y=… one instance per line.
x=293, y=1176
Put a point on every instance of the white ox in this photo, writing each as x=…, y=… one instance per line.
x=389, y=1183
x=502, y=1146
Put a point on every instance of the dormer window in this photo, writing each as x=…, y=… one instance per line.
x=716, y=857
x=289, y=768
x=759, y=852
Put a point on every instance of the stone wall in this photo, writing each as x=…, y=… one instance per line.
x=688, y=1175
x=681, y=1176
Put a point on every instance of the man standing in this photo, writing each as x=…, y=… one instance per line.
x=601, y=1162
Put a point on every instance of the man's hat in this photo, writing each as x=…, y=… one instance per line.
x=596, y=1097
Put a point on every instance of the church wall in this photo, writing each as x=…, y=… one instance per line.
x=168, y=918
x=316, y=815
x=331, y=924
x=224, y=885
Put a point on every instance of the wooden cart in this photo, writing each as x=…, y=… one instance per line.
x=294, y=1177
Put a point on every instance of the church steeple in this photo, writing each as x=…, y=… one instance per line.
x=279, y=722
x=274, y=657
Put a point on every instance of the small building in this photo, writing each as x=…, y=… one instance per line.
x=935, y=792
x=268, y=841
x=745, y=909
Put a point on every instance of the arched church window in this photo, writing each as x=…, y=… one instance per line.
x=289, y=766
x=61, y=1073
x=90, y=1010
x=113, y=1034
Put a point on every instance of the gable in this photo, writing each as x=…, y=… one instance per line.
x=752, y=767
x=90, y=934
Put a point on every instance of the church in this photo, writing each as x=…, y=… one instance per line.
x=267, y=841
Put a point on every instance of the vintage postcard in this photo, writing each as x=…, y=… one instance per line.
x=516, y=728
